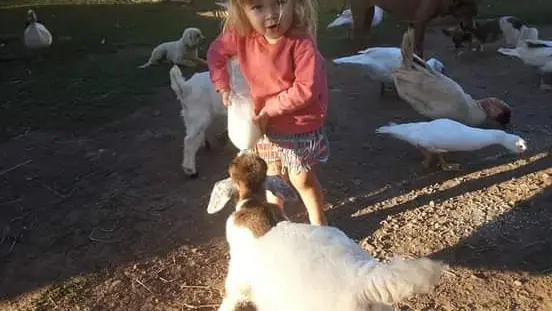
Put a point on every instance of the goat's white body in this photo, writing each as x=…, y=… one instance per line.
x=201, y=104
x=301, y=267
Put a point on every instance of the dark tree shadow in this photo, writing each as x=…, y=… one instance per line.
x=519, y=240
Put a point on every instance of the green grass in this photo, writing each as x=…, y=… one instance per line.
x=85, y=83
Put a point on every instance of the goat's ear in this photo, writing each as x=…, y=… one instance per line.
x=222, y=193
x=280, y=188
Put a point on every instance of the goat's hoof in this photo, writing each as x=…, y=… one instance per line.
x=192, y=174
x=451, y=167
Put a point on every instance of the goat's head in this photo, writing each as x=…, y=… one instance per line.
x=248, y=171
x=247, y=179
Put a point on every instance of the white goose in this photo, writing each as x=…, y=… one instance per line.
x=515, y=31
x=435, y=96
x=346, y=18
x=444, y=135
x=535, y=53
x=380, y=62
x=36, y=35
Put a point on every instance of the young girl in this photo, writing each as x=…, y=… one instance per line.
x=274, y=41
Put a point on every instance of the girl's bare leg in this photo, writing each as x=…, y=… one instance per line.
x=275, y=168
x=310, y=191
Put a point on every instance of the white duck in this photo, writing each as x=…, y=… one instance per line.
x=535, y=53
x=444, y=135
x=346, y=18
x=515, y=31
x=380, y=62
x=434, y=95
x=36, y=35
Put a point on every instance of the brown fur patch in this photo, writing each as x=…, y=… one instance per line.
x=419, y=12
x=497, y=109
x=486, y=31
x=248, y=171
x=258, y=216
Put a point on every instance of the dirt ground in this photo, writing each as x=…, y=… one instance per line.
x=106, y=220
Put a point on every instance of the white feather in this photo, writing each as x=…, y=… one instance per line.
x=298, y=267
x=346, y=18
x=380, y=62
x=445, y=135
x=36, y=35
x=531, y=55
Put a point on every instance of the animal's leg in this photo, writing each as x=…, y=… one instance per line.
x=236, y=290
x=358, y=10
x=546, y=81
x=198, y=59
x=192, y=143
x=382, y=89
x=38, y=56
x=419, y=35
x=196, y=125
x=446, y=166
x=428, y=156
x=155, y=55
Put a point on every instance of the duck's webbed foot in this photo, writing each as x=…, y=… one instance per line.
x=428, y=157
x=446, y=166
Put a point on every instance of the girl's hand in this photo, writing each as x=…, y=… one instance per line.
x=261, y=119
x=225, y=98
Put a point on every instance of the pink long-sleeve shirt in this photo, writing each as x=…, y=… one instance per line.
x=287, y=79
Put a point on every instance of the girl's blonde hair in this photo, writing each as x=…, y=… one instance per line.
x=305, y=17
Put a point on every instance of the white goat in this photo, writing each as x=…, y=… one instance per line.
x=279, y=265
x=183, y=51
x=201, y=105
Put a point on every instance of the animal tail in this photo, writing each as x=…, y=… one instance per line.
x=400, y=279
x=407, y=48
x=509, y=52
x=408, y=58
x=178, y=83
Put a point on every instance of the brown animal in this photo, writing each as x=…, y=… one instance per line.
x=485, y=31
x=417, y=12
x=248, y=172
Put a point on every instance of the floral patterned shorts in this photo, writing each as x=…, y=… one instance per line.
x=296, y=152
